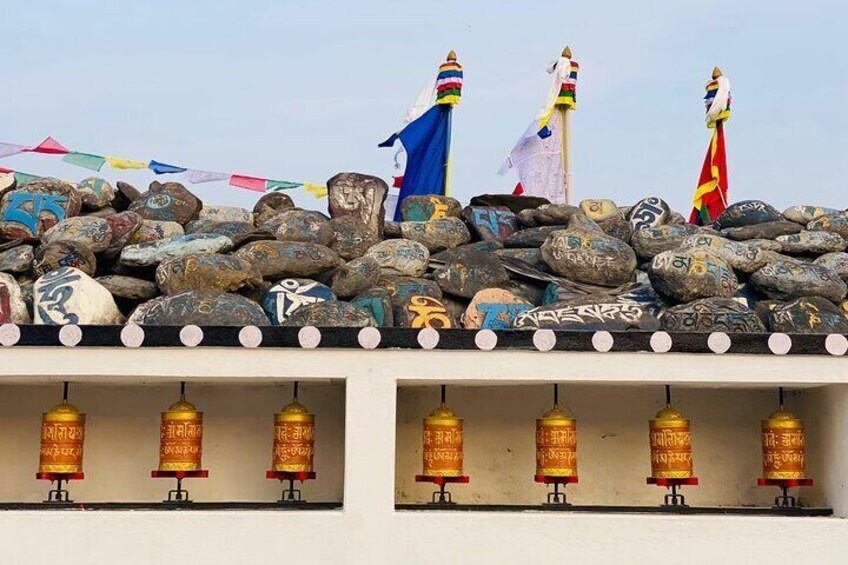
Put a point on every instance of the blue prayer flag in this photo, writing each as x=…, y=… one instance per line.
x=162, y=168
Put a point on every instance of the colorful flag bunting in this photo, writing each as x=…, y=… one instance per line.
x=162, y=168
x=119, y=163
x=250, y=183
x=314, y=189
x=85, y=160
x=9, y=149
x=196, y=177
x=23, y=178
x=711, y=195
x=277, y=185
x=49, y=146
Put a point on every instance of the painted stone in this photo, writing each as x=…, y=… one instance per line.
x=788, y=281
x=712, y=315
x=739, y=256
x=600, y=209
x=400, y=289
x=649, y=212
x=494, y=309
x=104, y=212
x=449, y=255
x=837, y=223
x=470, y=273
x=455, y=306
x=285, y=297
x=195, y=226
x=618, y=228
x=153, y=253
x=282, y=259
x=69, y=296
x=547, y=215
x=400, y=257
x=225, y=214
x=436, y=235
x=429, y=207
x=812, y=242
x=206, y=271
x=304, y=226
x=531, y=255
x=377, y=302
x=351, y=237
x=747, y=213
x=530, y=291
x=764, y=245
x=805, y=214
x=94, y=233
x=556, y=293
x=511, y=201
x=59, y=254
x=154, y=230
x=28, y=212
x=95, y=193
x=270, y=205
x=591, y=313
x=331, y=314
x=129, y=288
x=123, y=227
x=531, y=237
x=676, y=219
x=766, y=230
x=391, y=230
x=836, y=262
x=581, y=221
x=527, y=219
x=423, y=312
x=490, y=224
x=13, y=307
x=128, y=191
x=361, y=196
x=238, y=232
x=588, y=257
x=808, y=315
x=7, y=183
x=199, y=308
x=354, y=277
x=684, y=275
x=17, y=259
x=650, y=242
x=167, y=202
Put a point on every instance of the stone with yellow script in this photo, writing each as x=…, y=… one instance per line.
x=429, y=207
x=600, y=209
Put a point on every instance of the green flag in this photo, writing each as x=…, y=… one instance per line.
x=85, y=160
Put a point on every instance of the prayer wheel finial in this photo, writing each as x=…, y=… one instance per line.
x=671, y=444
x=443, y=447
x=294, y=438
x=716, y=73
x=451, y=55
x=566, y=52
x=62, y=438
x=181, y=436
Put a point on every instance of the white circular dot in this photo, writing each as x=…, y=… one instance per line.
x=70, y=335
x=10, y=334
x=544, y=340
x=369, y=338
x=428, y=338
x=602, y=341
x=780, y=344
x=661, y=342
x=309, y=337
x=191, y=336
x=836, y=344
x=486, y=340
x=132, y=335
x=250, y=336
x=718, y=342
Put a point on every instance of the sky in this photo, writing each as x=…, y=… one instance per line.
x=303, y=90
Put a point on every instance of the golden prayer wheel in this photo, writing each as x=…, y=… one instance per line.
x=181, y=437
x=294, y=439
x=671, y=445
x=442, y=443
x=783, y=446
x=556, y=444
x=62, y=438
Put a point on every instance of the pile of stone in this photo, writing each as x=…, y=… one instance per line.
x=98, y=254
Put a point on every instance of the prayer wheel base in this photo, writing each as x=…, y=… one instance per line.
x=179, y=495
x=442, y=497
x=556, y=498
x=59, y=495
x=784, y=500
x=290, y=495
x=673, y=499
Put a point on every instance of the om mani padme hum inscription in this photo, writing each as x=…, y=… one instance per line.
x=671, y=445
x=62, y=438
x=442, y=444
x=783, y=446
x=294, y=439
x=556, y=444
x=181, y=437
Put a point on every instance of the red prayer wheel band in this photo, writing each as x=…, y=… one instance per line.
x=671, y=446
x=62, y=439
x=181, y=438
x=443, y=444
x=783, y=447
x=294, y=442
x=556, y=445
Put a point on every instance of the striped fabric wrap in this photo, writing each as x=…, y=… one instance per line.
x=721, y=113
x=449, y=83
x=568, y=91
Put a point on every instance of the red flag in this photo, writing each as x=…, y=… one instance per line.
x=519, y=190
x=50, y=146
x=711, y=196
x=397, y=182
x=250, y=183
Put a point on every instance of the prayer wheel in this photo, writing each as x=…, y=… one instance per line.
x=783, y=446
x=181, y=437
x=671, y=445
x=442, y=443
x=294, y=439
x=62, y=438
x=556, y=444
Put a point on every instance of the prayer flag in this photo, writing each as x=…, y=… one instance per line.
x=539, y=161
x=23, y=178
x=9, y=149
x=162, y=168
x=118, y=163
x=196, y=177
x=711, y=196
x=317, y=191
x=250, y=183
x=49, y=146
x=276, y=185
x=84, y=160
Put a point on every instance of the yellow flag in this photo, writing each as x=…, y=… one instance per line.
x=318, y=191
x=118, y=163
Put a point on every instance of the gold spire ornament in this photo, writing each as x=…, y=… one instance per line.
x=294, y=438
x=443, y=447
x=671, y=444
x=62, y=438
x=556, y=442
x=181, y=436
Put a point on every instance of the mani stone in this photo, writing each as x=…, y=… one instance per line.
x=589, y=313
x=13, y=308
x=352, y=278
x=765, y=245
x=128, y=191
x=436, y=235
x=28, y=212
x=153, y=253
x=783, y=280
x=490, y=224
x=69, y=296
x=206, y=271
x=805, y=214
x=17, y=259
x=130, y=288
x=167, y=202
x=154, y=230
x=511, y=201
x=304, y=226
x=391, y=230
x=587, y=257
x=288, y=295
x=281, y=259
x=470, y=273
x=401, y=289
x=812, y=242
x=95, y=193
x=649, y=212
x=104, y=212
x=650, y=242
x=270, y=205
x=531, y=255
x=494, y=309
x=238, y=232
x=225, y=214
x=618, y=228
x=837, y=223
x=600, y=209
x=377, y=302
x=476, y=247
x=836, y=262
x=331, y=314
x=747, y=213
x=547, y=215
x=530, y=291
x=199, y=308
x=400, y=257
x=94, y=233
x=808, y=315
x=58, y=254
x=123, y=226
x=766, y=230
x=712, y=315
x=360, y=196
x=583, y=222
x=422, y=208
x=423, y=312
x=351, y=237
x=684, y=275
x=531, y=237
x=738, y=255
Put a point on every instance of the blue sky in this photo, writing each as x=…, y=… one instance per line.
x=300, y=91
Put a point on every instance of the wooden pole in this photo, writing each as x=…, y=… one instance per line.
x=565, y=140
x=450, y=58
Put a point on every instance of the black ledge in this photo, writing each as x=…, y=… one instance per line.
x=687, y=510
x=169, y=506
